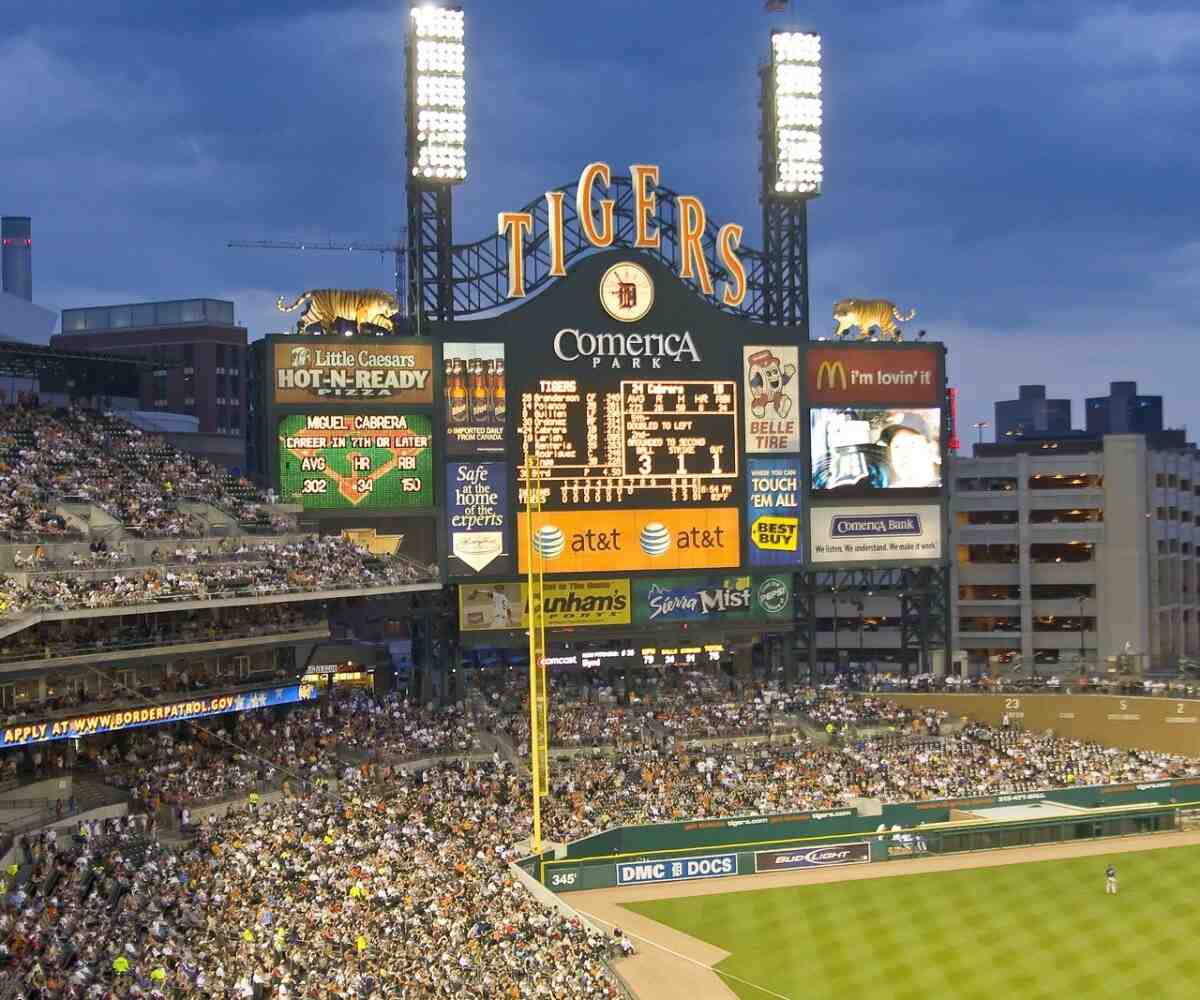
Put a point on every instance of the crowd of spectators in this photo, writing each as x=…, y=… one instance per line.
x=1123, y=684
x=48, y=455
x=81, y=636
x=393, y=891
x=312, y=563
x=351, y=732
x=396, y=882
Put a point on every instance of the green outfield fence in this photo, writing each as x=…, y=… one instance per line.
x=749, y=845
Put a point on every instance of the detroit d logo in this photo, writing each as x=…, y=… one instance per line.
x=626, y=292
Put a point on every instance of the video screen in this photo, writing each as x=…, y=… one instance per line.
x=862, y=450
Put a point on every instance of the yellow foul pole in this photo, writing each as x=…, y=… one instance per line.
x=539, y=701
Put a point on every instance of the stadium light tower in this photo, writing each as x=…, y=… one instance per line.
x=437, y=121
x=792, y=168
x=437, y=153
x=796, y=75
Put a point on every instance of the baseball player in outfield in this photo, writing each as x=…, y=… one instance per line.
x=1110, y=880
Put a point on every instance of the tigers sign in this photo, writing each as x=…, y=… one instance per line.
x=371, y=372
x=891, y=373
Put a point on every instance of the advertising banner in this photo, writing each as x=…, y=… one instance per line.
x=476, y=398
x=858, y=450
x=842, y=375
x=485, y=607
x=133, y=718
x=677, y=869
x=379, y=373
x=588, y=541
x=356, y=461
x=477, y=518
x=869, y=534
x=825, y=856
x=772, y=394
x=773, y=511
x=711, y=599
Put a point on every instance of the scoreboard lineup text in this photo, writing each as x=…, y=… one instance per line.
x=651, y=440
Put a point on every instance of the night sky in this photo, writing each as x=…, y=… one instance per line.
x=1024, y=174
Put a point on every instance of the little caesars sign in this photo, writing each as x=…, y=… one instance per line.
x=381, y=373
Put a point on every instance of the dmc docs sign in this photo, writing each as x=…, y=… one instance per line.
x=110, y=722
x=896, y=376
x=773, y=511
x=869, y=534
x=677, y=870
x=326, y=370
x=711, y=599
x=477, y=517
x=825, y=856
x=487, y=607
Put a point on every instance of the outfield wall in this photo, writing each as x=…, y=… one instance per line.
x=765, y=857
x=1168, y=725
x=720, y=847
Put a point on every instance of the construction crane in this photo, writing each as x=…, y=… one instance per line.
x=399, y=249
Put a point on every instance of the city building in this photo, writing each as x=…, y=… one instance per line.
x=1123, y=411
x=20, y=319
x=1075, y=546
x=1032, y=413
x=199, y=344
x=16, y=256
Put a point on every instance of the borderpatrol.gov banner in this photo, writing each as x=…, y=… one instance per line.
x=76, y=726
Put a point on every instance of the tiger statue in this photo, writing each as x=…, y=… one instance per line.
x=866, y=313
x=327, y=305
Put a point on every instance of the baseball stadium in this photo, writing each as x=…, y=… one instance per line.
x=460, y=698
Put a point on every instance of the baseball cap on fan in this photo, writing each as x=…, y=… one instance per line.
x=912, y=452
x=906, y=420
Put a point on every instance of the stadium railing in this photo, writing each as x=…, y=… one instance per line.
x=47, y=652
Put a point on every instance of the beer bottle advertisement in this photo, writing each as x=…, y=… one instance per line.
x=475, y=399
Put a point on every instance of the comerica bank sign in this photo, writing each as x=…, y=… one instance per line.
x=618, y=350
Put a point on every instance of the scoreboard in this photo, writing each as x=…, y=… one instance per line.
x=634, y=442
x=345, y=461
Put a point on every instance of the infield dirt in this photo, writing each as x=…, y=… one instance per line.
x=669, y=964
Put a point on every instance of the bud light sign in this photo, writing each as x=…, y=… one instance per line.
x=676, y=869
x=825, y=856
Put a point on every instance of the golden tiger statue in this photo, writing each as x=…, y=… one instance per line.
x=866, y=313
x=327, y=305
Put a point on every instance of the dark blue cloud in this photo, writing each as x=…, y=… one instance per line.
x=1022, y=173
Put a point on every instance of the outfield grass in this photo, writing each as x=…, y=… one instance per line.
x=1037, y=929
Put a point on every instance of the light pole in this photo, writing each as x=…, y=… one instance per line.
x=979, y=425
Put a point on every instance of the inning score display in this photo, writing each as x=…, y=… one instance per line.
x=344, y=461
x=640, y=442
